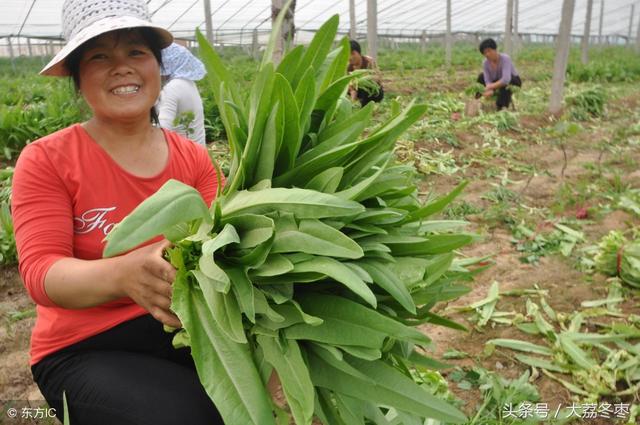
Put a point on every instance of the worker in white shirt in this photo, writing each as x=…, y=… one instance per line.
x=180, y=105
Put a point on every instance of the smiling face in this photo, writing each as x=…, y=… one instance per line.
x=119, y=77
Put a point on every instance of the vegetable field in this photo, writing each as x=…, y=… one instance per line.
x=543, y=322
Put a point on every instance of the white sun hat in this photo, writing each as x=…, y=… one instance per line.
x=83, y=20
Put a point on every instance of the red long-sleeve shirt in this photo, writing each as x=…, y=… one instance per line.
x=68, y=193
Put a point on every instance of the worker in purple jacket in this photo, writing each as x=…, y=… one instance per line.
x=498, y=73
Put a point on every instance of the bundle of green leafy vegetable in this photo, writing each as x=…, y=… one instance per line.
x=619, y=257
x=366, y=80
x=316, y=260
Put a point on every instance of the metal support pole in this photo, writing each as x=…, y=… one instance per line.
x=562, y=57
x=254, y=44
x=372, y=28
x=600, y=23
x=423, y=41
x=508, y=28
x=633, y=9
x=29, y=47
x=208, y=21
x=638, y=38
x=10, y=47
x=516, y=35
x=352, y=20
x=447, y=39
x=587, y=33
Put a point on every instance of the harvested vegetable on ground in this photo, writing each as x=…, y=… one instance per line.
x=619, y=257
x=317, y=260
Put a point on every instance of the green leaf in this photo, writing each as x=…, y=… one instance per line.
x=437, y=266
x=334, y=357
x=578, y=355
x=305, y=93
x=274, y=265
x=427, y=362
x=207, y=262
x=339, y=272
x=291, y=133
x=280, y=293
x=65, y=408
x=428, y=245
x=343, y=310
x=318, y=49
x=243, y=289
x=216, y=71
x=383, y=277
x=252, y=229
x=224, y=309
x=268, y=149
x=317, y=238
x=435, y=319
x=332, y=152
x=335, y=65
x=327, y=181
x=225, y=368
x=350, y=409
x=356, y=191
x=439, y=291
x=374, y=148
x=390, y=388
x=515, y=344
x=328, y=98
x=361, y=352
x=334, y=129
x=325, y=408
x=290, y=62
x=438, y=205
x=293, y=374
x=259, y=109
x=409, y=270
x=220, y=81
x=540, y=363
x=301, y=202
x=335, y=331
x=263, y=307
x=174, y=203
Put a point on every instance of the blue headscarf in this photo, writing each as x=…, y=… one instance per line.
x=178, y=62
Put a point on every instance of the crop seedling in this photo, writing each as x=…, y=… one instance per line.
x=8, y=253
x=316, y=260
x=588, y=103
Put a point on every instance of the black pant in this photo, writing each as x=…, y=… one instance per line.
x=365, y=97
x=128, y=375
x=503, y=93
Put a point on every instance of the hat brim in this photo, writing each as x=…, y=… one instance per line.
x=56, y=66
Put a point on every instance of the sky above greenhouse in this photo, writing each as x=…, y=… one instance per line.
x=34, y=18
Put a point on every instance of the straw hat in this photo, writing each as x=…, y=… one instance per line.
x=83, y=20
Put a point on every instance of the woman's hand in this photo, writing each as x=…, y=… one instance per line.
x=147, y=278
x=488, y=93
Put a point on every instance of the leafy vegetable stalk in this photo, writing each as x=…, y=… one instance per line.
x=317, y=260
x=619, y=257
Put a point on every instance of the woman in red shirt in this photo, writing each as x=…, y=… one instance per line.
x=99, y=334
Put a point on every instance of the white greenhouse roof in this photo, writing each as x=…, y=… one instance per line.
x=41, y=18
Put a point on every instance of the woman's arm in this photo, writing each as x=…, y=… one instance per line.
x=142, y=275
x=43, y=219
